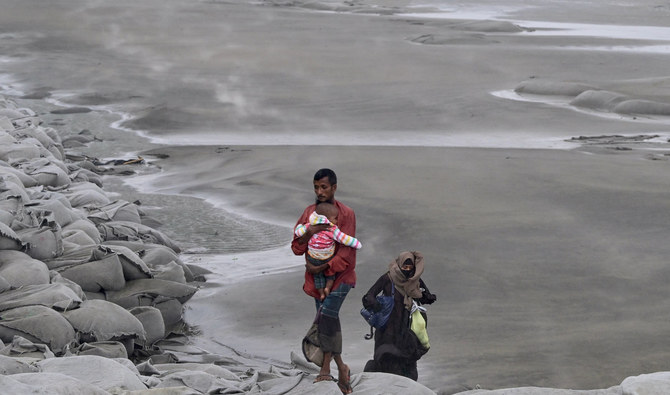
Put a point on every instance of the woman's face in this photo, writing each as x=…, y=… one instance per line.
x=407, y=268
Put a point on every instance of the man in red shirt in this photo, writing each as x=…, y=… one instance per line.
x=343, y=264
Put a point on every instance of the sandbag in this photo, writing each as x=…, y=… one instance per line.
x=85, y=226
x=152, y=321
x=36, y=132
x=43, y=242
x=52, y=143
x=73, y=253
x=18, y=151
x=38, y=324
x=211, y=368
x=78, y=174
x=86, y=198
x=12, y=184
x=107, y=349
x=56, y=278
x=57, y=151
x=78, y=246
x=101, y=321
x=27, y=118
x=9, y=365
x=172, y=311
x=157, y=255
x=83, y=162
x=170, y=272
x=48, y=383
x=53, y=133
x=12, y=205
x=55, y=296
x=203, y=382
x=5, y=127
x=78, y=237
x=95, y=295
x=62, y=211
x=26, y=350
x=4, y=284
x=20, y=269
x=119, y=210
x=44, y=152
x=103, y=274
x=133, y=266
x=84, y=186
x=46, y=173
x=6, y=218
x=134, y=245
x=9, y=240
x=12, y=196
x=155, y=288
x=124, y=230
x=384, y=383
x=101, y=372
x=650, y=383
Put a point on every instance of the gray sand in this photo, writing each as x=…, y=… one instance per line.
x=549, y=265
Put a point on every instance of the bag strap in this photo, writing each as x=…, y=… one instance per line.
x=370, y=335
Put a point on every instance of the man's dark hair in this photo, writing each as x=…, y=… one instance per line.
x=332, y=178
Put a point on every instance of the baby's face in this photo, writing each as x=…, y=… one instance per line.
x=333, y=219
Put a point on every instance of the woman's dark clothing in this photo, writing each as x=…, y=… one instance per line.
x=396, y=347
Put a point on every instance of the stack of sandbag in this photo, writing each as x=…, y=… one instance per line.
x=91, y=294
x=80, y=273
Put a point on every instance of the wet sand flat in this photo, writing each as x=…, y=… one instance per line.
x=549, y=265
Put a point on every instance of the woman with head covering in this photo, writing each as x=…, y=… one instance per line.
x=397, y=347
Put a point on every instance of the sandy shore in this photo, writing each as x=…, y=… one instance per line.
x=548, y=264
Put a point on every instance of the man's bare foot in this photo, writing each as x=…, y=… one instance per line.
x=324, y=377
x=344, y=380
